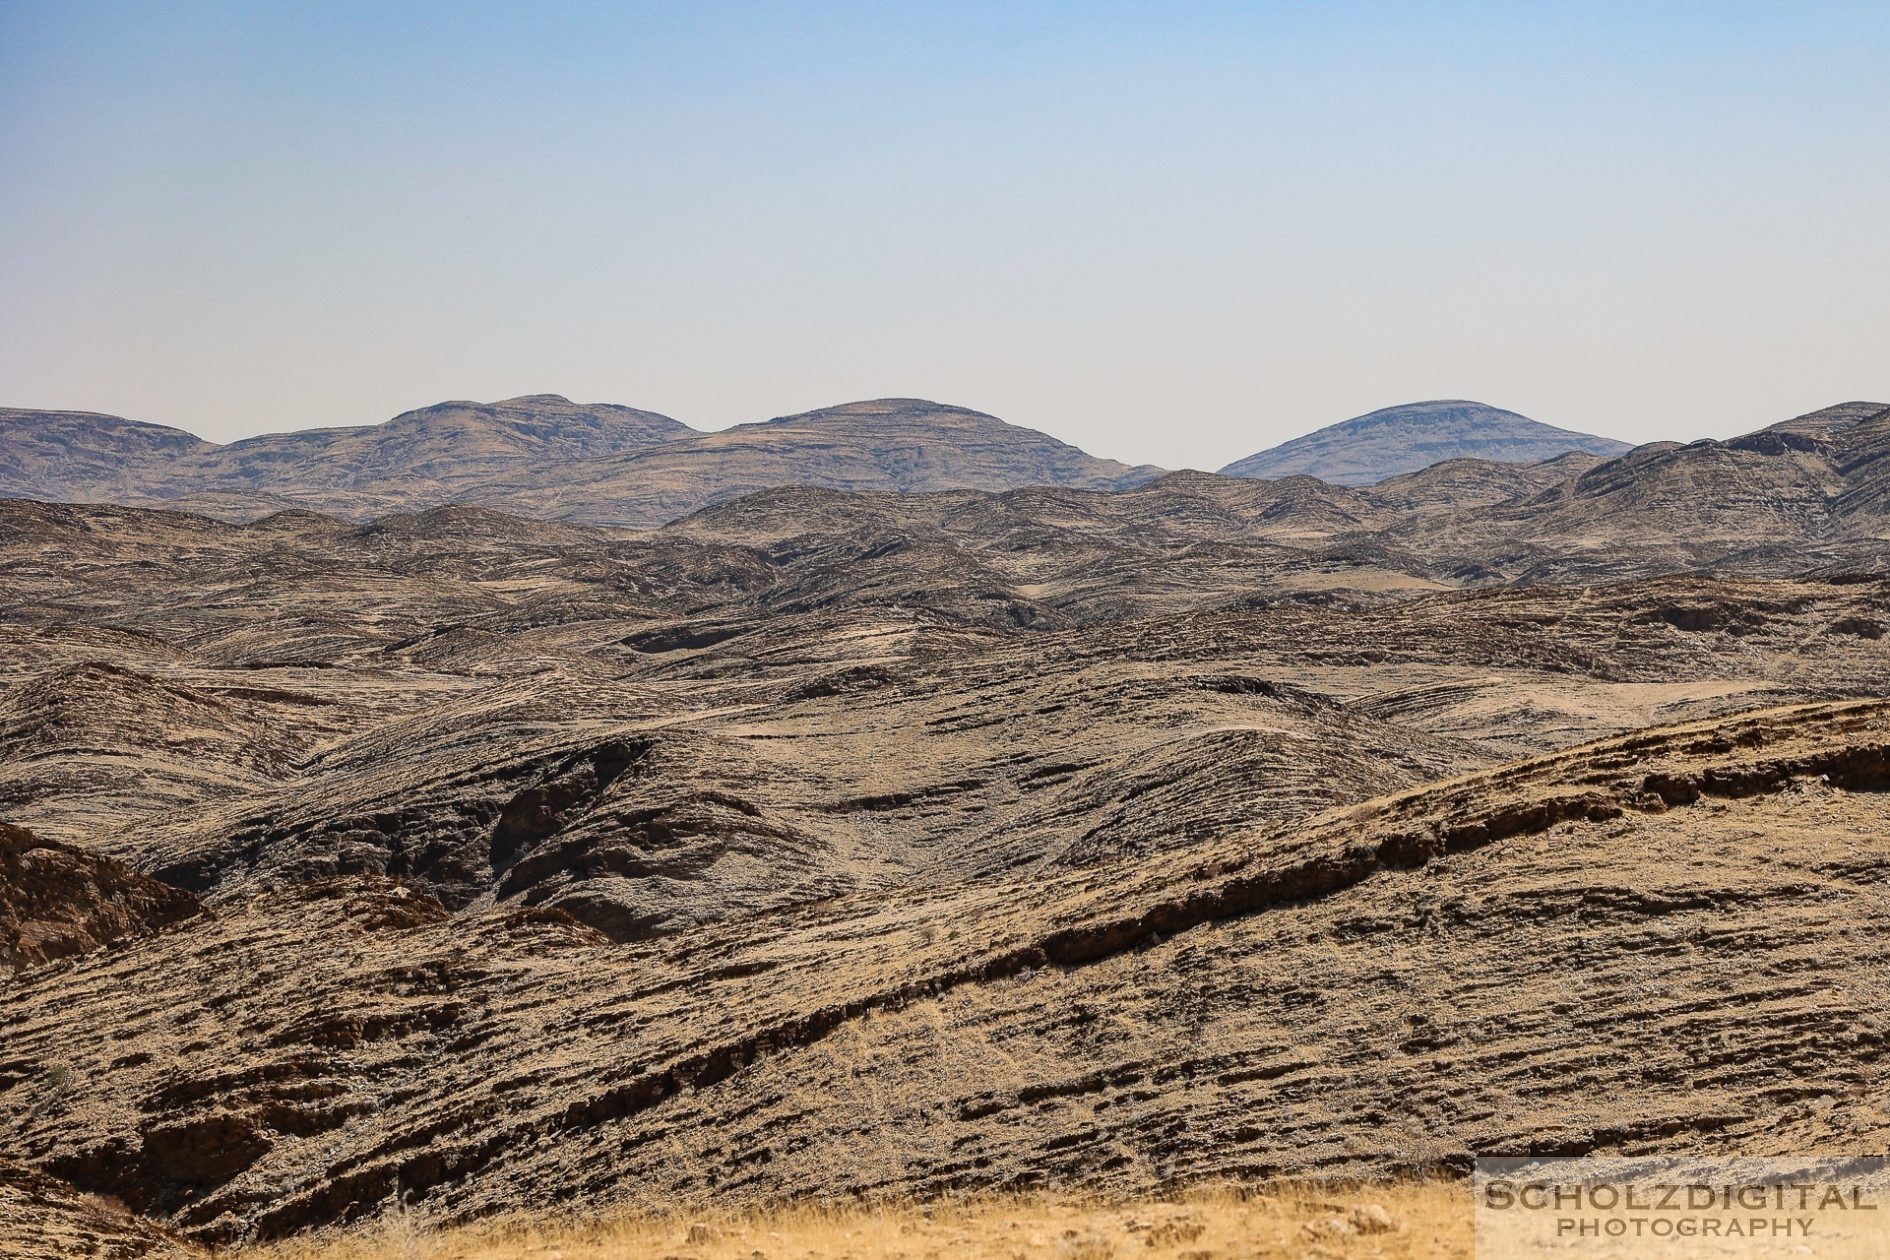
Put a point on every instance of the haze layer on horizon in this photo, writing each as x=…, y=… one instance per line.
x=1170, y=233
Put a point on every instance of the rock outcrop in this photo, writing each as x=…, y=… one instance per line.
x=57, y=901
x=1658, y=942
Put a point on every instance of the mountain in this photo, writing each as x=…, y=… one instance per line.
x=416, y=459
x=540, y=455
x=85, y=457
x=449, y=445
x=1370, y=448
x=1761, y=502
x=1828, y=422
x=1746, y=506
x=903, y=444
x=1862, y=453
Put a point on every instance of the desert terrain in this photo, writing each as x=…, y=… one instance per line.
x=1086, y=859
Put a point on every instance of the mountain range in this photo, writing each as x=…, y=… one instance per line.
x=539, y=455
x=1812, y=480
x=543, y=455
x=419, y=457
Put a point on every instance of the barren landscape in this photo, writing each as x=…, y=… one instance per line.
x=668, y=834
x=944, y=631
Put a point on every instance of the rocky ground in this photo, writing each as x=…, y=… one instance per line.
x=825, y=844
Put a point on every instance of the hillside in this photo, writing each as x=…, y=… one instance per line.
x=82, y=456
x=1828, y=422
x=1771, y=501
x=1404, y=439
x=1159, y=960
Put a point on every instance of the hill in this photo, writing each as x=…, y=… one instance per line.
x=439, y=449
x=538, y=456
x=85, y=457
x=903, y=444
x=417, y=459
x=1828, y=421
x=1771, y=501
x=1371, y=448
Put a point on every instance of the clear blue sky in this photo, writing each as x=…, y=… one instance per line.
x=1172, y=232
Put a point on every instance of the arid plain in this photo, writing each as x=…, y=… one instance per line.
x=947, y=833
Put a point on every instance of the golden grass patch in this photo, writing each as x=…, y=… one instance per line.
x=1416, y=1219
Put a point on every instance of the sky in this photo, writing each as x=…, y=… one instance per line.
x=1173, y=233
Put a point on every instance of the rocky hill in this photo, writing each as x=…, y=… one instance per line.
x=417, y=459
x=540, y=455
x=903, y=444
x=1827, y=421
x=1404, y=439
x=81, y=456
x=1463, y=472
x=1770, y=501
x=443, y=448
x=57, y=901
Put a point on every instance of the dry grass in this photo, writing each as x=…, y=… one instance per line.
x=1394, y=1222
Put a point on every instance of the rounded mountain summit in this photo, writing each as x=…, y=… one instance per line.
x=1370, y=448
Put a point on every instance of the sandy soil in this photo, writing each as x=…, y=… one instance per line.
x=1414, y=1220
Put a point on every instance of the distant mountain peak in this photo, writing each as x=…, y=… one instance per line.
x=1392, y=440
x=541, y=400
x=420, y=457
x=902, y=410
x=1829, y=420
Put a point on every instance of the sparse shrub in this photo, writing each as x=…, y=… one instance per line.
x=109, y=1205
x=1086, y=1246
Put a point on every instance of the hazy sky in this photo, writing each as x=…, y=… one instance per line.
x=1167, y=232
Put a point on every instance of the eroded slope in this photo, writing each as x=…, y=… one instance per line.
x=1662, y=941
